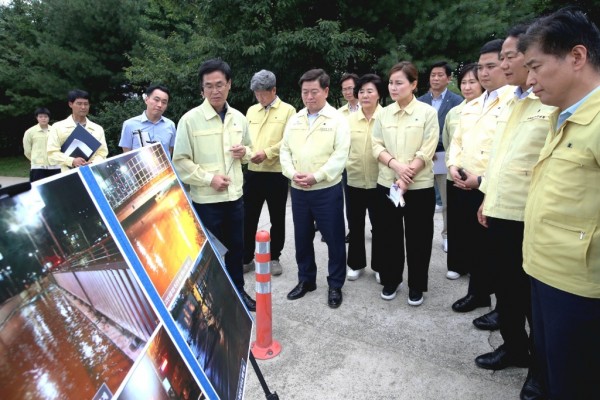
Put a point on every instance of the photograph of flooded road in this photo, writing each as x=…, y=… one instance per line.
x=73, y=318
x=158, y=219
x=49, y=349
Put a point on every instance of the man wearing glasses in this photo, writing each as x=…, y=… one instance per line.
x=212, y=142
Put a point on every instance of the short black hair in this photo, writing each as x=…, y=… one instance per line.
x=212, y=65
x=369, y=78
x=517, y=31
x=150, y=89
x=493, y=46
x=316, y=74
x=77, y=94
x=558, y=33
x=442, y=64
x=41, y=110
x=347, y=76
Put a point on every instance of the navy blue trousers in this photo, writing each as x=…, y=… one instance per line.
x=326, y=208
x=566, y=334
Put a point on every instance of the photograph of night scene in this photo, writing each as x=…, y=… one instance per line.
x=73, y=318
x=161, y=374
x=158, y=219
x=215, y=324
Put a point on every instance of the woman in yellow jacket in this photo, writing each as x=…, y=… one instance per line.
x=405, y=136
x=471, y=89
x=362, y=172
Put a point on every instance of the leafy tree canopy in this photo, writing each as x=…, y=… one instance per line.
x=115, y=48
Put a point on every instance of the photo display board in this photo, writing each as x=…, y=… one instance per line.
x=111, y=288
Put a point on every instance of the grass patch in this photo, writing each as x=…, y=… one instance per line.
x=14, y=166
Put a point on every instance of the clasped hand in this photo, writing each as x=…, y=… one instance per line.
x=405, y=174
x=304, y=180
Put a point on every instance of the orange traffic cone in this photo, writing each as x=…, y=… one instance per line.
x=264, y=347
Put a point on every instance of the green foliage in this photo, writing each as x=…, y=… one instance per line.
x=49, y=47
x=111, y=117
x=115, y=48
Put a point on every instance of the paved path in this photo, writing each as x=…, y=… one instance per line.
x=370, y=348
x=10, y=180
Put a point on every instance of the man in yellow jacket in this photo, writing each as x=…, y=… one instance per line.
x=263, y=180
x=313, y=155
x=211, y=143
x=79, y=104
x=35, y=142
x=468, y=157
x=561, y=248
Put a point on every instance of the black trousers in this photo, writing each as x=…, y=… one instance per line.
x=511, y=283
x=468, y=241
x=413, y=223
x=259, y=187
x=37, y=174
x=361, y=200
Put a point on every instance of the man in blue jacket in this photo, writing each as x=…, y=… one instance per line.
x=443, y=100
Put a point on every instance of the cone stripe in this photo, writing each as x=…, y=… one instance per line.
x=263, y=247
x=263, y=267
x=263, y=287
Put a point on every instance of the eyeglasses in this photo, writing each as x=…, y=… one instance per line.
x=218, y=87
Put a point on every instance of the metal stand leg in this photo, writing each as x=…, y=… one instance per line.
x=261, y=379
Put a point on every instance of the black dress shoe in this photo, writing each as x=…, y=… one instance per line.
x=533, y=389
x=500, y=359
x=248, y=301
x=334, y=298
x=488, y=322
x=471, y=302
x=300, y=290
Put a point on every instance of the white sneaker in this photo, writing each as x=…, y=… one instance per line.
x=388, y=293
x=377, y=277
x=276, y=268
x=445, y=245
x=249, y=267
x=439, y=209
x=452, y=275
x=354, y=274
